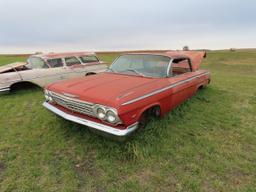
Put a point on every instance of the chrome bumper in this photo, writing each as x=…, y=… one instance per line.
x=4, y=90
x=98, y=126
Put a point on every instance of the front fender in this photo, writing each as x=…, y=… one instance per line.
x=134, y=115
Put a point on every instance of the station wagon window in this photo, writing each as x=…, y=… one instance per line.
x=72, y=61
x=180, y=66
x=89, y=58
x=36, y=63
x=55, y=62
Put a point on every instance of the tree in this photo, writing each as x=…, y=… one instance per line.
x=185, y=48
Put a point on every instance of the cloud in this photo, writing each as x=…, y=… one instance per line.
x=32, y=25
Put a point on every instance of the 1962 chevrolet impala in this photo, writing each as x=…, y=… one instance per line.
x=118, y=101
x=48, y=68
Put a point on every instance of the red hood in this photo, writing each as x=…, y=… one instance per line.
x=106, y=88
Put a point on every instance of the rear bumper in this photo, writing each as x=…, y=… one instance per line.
x=4, y=90
x=97, y=126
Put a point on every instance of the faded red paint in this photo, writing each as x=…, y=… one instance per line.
x=114, y=90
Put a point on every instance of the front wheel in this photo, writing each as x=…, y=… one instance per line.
x=148, y=115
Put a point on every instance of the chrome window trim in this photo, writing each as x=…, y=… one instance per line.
x=164, y=89
x=4, y=89
x=169, y=67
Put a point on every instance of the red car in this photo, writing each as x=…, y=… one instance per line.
x=136, y=85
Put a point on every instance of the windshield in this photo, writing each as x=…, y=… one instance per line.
x=36, y=63
x=144, y=65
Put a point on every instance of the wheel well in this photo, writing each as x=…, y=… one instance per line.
x=200, y=87
x=153, y=111
x=23, y=85
x=90, y=73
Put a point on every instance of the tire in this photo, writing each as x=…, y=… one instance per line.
x=148, y=115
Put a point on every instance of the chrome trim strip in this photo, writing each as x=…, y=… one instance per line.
x=70, y=98
x=94, y=125
x=4, y=89
x=164, y=89
x=169, y=67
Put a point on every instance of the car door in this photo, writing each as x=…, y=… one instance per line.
x=179, y=77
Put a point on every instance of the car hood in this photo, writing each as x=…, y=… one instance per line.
x=11, y=66
x=105, y=88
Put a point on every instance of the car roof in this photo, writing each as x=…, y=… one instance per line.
x=61, y=55
x=171, y=54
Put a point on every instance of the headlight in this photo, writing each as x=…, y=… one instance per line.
x=47, y=95
x=46, y=92
x=101, y=113
x=111, y=116
x=106, y=113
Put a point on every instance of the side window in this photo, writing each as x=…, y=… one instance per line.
x=72, y=61
x=55, y=62
x=180, y=66
x=37, y=63
x=89, y=58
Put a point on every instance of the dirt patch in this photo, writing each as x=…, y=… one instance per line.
x=2, y=167
x=87, y=166
x=239, y=178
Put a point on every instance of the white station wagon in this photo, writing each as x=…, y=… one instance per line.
x=48, y=68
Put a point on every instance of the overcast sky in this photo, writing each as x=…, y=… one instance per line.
x=62, y=25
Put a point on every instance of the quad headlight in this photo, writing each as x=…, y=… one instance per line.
x=106, y=114
x=111, y=116
x=101, y=113
x=48, y=96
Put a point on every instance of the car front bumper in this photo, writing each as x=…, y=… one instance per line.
x=91, y=124
x=4, y=90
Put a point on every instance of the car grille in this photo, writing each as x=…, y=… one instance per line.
x=73, y=104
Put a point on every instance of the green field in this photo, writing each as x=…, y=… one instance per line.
x=206, y=144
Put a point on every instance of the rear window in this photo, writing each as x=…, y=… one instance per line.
x=55, y=62
x=72, y=61
x=89, y=59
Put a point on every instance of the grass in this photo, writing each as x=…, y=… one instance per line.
x=206, y=144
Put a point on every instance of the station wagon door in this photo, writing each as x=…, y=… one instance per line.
x=74, y=68
x=44, y=74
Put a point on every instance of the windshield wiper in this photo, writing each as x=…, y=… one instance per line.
x=135, y=71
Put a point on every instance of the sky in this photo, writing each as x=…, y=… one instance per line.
x=28, y=26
